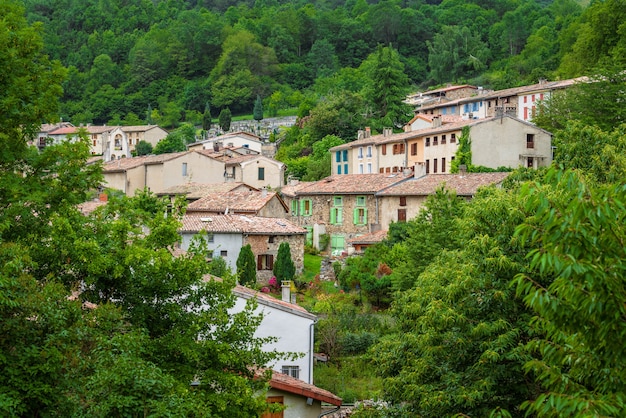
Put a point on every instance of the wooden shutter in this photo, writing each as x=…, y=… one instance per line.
x=270, y=262
x=259, y=262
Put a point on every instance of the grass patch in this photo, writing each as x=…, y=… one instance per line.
x=312, y=266
x=351, y=378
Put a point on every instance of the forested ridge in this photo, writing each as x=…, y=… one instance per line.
x=170, y=61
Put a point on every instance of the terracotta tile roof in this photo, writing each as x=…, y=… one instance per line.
x=371, y=238
x=290, y=384
x=291, y=189
x=429, y=118
x=237, y=201
x=88, y=207
x=448, y=88
x=194, y=191
x=138, y=128
x=237, y=159
x=239, y=224
x=123, y=164
x=375, y=140
x=352, y=184
x=268, y=300
x=544, y=86
x=464, y=185
x=161, y=158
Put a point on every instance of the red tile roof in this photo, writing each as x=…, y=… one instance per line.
x=291, y=189
x=371, y=238
x=268, y=300
x=464, y=185
x=238, y=201
x=352, y=184
x=239, y=224
x=290, y=384
x=448, y=88
x=197, y=190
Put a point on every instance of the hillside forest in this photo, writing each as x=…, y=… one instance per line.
x=512, y=304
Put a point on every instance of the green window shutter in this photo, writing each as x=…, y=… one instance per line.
x=302, y=207
x=339, y=215
x=333, y=217
x=294, y=207
x=365, y=216
x=355, y=216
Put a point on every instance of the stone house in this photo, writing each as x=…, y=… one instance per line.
x=340, y=207
x=227, y=234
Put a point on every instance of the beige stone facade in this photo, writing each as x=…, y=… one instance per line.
x=267, y=245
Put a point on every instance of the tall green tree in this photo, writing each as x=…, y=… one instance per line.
x=284, y=269
x=257, y=112
x=207, y=119
x=246, y=266
x=224, y=119
x=387, y=88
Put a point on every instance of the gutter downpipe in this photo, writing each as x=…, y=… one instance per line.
x=311, y=330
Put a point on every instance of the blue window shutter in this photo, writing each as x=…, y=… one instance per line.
x=345, y=169
x=338, y=156
x=339, y=169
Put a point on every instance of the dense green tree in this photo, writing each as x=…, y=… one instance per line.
x=341, y=115
x=461, y=325
x=387, y=88
x=224, y=119
x=143, y=148
x=284, y=269
x=578, y=235
x=456, y=53
x=173, y=142
x=246, y=266
x=257, y=112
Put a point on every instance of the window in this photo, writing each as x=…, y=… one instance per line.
x=265, y=262
x=387, y=170
x=345, y=169
x=384, y=149
x=261, y=173
x=184, y=169
x=360, y=168
x=339, y=169
x=401, y=215
x=530, y=162
x=381, y=170
x=294, y=208
x=360, y=200
x=360, y=216
x=306, y=207
x=434, y=165
x=369, y=168
x=398, y=148
x=338, y=156
x=530, y=141
x=452, y=138
x=369, y=151
x=274, y=400
x=345, y=156
x=336, y=215
x=360, y=152
x=428, y=141
x=427, y=166
x=525, y=99
x=443, y=165
x=443, y=139
x=223, y=253
x=533, y=98
x=337, y=200
x=210, y=237
x=293, y=371
x=394, y=170
x=271, y=239
x=402, y=200
x=525, y=113
x=414, y=148
x=435, y=141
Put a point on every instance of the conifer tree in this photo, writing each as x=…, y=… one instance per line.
x=284, y=269
x=246, y=267
x=258, y=109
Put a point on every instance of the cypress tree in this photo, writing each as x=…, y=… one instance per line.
x=284, y=269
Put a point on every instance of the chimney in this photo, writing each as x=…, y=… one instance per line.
x=285, y=287
x=387, y=131
x=360, y=134
x=264, y=192
x=103, y=197
x=436, y=121
x=462, y=169
x=420, y=170
x=368, y=132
